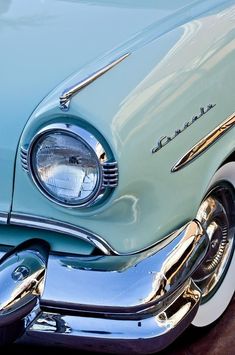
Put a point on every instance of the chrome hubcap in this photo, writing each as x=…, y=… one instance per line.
x=215, y=215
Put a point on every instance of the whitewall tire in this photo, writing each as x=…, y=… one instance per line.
x=215, y=303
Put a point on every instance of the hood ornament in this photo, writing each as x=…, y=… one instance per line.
x=68, y=93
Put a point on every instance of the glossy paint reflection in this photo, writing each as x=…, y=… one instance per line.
x=179, y=58
x=4, y=6
x=169, y=264
x=142, y=4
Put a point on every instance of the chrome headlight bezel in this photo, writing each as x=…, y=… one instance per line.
x=107, y=166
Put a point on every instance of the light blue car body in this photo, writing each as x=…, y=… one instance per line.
x=181, y=58
x=179, y=62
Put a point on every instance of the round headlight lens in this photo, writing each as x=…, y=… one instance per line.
x=66, y=168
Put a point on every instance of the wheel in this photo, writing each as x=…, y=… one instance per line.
x=215, y=277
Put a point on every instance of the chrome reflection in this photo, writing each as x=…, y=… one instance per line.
x=61, y=227
x=141, y=280
x=22, y=275
x=3, y=218
x=175, y=312
x=152, y=293
x=67, y=95
x=184, y=257
x=216, y=216
x=156, y=330
x=49, y=322
x=22, y=272
x=205, y=143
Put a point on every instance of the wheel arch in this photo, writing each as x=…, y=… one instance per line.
x=229, y=159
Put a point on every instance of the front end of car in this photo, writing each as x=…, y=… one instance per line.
x=110, y=240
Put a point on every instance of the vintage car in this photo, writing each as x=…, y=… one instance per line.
x=117, y=170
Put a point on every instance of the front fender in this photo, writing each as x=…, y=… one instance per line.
x=162, y=84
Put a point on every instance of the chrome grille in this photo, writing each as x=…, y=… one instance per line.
x=24, y=158
x=110, y=174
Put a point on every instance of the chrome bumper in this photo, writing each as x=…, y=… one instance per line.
x=141, y=335
x=117, y=304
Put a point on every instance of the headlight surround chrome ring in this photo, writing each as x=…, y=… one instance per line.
x=107, y=171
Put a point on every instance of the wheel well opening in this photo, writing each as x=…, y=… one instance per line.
x=230, y=158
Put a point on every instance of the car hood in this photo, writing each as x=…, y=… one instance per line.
x=46, y=41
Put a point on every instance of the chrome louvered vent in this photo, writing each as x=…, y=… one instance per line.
x=24, y=158
x=110, y=174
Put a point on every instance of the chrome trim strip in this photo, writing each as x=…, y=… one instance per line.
x=148, y=335
x=3, y=217
x=60, y=227
x=205, y=143
x=68, y=93
x=53, y=225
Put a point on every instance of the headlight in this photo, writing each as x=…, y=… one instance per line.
x=66, y=168
x=69, y=165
